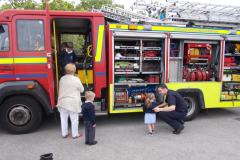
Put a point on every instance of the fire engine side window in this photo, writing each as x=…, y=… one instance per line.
x=30, y=35
x=4, y=38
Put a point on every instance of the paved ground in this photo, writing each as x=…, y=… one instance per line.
x=213, y=135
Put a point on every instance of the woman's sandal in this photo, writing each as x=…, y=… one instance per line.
x=66, y=136
x=80, y=135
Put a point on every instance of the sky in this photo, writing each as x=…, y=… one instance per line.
x=221, y=2
x=128, y=3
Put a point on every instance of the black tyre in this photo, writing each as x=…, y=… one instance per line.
x=20, y=114
x=193, y=108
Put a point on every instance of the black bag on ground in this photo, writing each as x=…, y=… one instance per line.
x=48, y=156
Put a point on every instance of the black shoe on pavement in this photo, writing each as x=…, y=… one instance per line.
x=182, y=122
x=93, y=143
x=178, y=131
x=86, y=142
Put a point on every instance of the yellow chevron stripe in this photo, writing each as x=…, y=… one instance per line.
x=98, y=56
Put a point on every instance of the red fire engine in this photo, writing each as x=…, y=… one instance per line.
x=119, y=62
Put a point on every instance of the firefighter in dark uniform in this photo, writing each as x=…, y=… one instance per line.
x=175, y=110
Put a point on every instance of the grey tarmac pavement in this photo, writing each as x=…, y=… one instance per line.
x=213, y=135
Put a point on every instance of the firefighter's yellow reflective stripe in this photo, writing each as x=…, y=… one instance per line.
x=6, y=60
x=98, y=56
x=211, y=92
x=118, y=26
x=189, y=30
x=30, y=60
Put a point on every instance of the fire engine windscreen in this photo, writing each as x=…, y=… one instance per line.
x=4, y=38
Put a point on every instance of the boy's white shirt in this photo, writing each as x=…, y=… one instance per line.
x=88, y=101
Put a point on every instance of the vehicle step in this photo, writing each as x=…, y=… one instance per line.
x=101, y=113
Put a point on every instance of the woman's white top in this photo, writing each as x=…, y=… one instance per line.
x=69, y=96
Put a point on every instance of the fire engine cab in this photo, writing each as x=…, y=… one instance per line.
x=30, y=45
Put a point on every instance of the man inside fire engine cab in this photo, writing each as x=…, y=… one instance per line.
x=175, y=111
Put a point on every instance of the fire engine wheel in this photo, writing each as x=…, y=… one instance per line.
x=20, y=114
x=192, y=105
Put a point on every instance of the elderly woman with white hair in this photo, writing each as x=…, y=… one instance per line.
x=69, y=100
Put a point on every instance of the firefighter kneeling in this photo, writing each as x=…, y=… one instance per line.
x=176, y=110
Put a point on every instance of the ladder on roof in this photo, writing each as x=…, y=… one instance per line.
x=123, y=16
x=181, y=10
x=201, y=14
x=176, y=13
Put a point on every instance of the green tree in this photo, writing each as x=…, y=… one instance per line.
x=83, y=5
x=20, y=4
x=89, y=4
x=61, y=5
x=78, y=41
x=117, y=5
x=31, y=4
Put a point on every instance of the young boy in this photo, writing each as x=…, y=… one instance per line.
x=89, y=118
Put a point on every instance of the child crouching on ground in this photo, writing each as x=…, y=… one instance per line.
x=88, y=112
x=150, y=115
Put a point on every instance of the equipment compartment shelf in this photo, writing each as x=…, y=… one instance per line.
x=127, y=47
x=231, y=55
x=152, y=48
x=198, y=63
x=129, y=104
x=127, y=72
x=126, y=107
x=135, y=84
x=127, y=58
x=151, y=72
x=232, y=67
x=151, y=58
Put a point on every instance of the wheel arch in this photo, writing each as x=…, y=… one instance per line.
x=194, y=92
x=10, y=89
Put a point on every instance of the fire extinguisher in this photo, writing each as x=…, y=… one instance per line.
x=185, y=73
x=198, y=74
x=191, y=76
x=204, y=75
x=207, y=75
